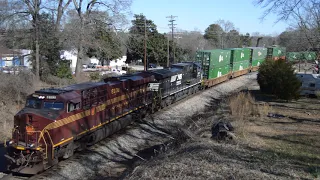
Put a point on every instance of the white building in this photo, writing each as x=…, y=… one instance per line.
x=72, y=56
x=118, y=62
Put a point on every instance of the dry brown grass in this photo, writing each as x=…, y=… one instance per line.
x=13, y=92
x=242, y=105
x=267, y=148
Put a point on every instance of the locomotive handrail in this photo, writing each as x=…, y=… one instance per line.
x=45, y=142
x=52, y=154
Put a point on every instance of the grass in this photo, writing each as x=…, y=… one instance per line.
x=265, y=147
x=294, y=138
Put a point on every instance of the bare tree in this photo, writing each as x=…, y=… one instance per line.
x=60, y=11
x=227, y=26
x=283, y=8
x=304, y=16
x=84, y=10
x=29, y=11
x=191, y=41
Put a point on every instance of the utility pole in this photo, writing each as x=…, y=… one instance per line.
x=172, y=34
x=145, y=45
x=168, y=55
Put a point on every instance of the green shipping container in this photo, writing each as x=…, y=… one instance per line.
x=257, y=62
x=294, y=56
x=275, y=52
x=309, y=56
x=216, y=72
x=259, y=53
x=238, y=66
x=210, y=59
x=240, y=54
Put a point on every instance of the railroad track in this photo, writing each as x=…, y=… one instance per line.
x=13, y=177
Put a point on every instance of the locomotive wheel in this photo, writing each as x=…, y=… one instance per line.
x=163, y=104
x=69, y=151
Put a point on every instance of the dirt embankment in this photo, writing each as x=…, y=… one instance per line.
x=13, y=92
x=275, y=140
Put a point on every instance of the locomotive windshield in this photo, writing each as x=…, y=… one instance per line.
x=33, y=103
x=37, y=104
x=53, y=105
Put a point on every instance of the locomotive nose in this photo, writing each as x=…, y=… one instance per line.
x=24, y=129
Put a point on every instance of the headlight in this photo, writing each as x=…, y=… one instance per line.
x=31, y=145
x=11, y=142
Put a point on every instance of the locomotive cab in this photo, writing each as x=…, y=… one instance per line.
x=30, y=140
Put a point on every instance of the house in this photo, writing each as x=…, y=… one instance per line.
x=9, y=57
x=72, y=56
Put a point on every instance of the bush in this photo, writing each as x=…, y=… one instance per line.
x=64, y=71
x=15, y=88
x=57, y=81
x=278, y=78
x=95, y=76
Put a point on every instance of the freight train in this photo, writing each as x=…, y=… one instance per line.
x=56, y=122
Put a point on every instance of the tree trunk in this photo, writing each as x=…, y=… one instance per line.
x=37, y=59
x=80, y=50
x=60, y=12
x=37, y=65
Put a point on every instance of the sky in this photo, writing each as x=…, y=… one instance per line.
x=199, y=14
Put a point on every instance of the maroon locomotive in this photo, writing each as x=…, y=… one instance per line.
x=56, y=122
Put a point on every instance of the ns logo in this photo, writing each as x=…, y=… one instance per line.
x=220, y=58
x=259, y=53
x=242, y=55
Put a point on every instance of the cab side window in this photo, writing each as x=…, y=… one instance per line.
x=73, y=106
x=312, y=85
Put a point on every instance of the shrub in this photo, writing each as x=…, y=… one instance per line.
x=14, y=88
x=278, y=78
x=95, y=76
x=64, y=71
x=56, y=81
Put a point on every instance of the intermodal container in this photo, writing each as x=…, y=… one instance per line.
x=258, y=55
x=210, y=59
x=216, y=57
x=216, y=72
x=294, y=56
x=309, y=55
x=238, y=66
x=276, y=52
x=240, y=54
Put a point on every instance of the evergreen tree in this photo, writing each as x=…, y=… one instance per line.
x=278, y=78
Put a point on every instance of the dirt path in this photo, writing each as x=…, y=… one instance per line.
x=113, y=156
